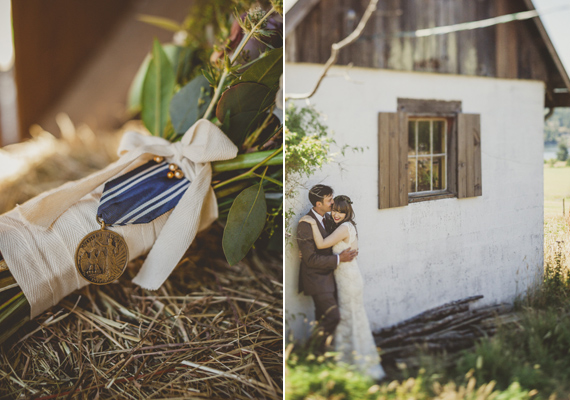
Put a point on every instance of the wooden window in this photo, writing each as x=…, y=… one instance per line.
x=428, y=150
x=427, y=155
x=469, y=156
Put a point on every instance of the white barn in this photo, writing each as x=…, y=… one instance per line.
x=448, y=194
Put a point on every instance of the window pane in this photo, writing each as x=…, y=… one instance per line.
x=412, y=138
x=439, y=173
x=438, y=137
x=411, y=175
x=423, y=137
x=424, y=174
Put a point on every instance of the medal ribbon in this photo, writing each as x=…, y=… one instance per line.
x=141, y=195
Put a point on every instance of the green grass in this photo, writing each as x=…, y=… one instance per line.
x=556, y=187
x=324, y=378
x=536, y=354
x=321, y=378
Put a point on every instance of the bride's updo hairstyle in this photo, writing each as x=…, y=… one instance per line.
x=343, y=204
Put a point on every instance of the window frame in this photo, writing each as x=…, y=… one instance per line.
x=416, y=156
x=436, y=109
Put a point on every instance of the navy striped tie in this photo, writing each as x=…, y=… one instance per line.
x=140, y=195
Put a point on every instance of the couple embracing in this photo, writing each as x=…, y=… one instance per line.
x=328, y=242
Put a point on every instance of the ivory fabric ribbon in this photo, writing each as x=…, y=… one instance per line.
x=38, y=239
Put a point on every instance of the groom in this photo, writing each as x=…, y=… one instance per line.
x=316, y=274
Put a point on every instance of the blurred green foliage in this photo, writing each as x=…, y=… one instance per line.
x=225, y=65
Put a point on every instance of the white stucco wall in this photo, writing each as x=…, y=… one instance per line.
x=425, y=254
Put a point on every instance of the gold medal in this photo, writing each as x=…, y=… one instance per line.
x=102, y=256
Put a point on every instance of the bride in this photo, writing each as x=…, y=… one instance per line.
x=353, y=338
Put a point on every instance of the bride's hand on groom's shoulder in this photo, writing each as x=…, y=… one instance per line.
x=307, y=219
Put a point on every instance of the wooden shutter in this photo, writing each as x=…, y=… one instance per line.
x=469, y=155
x=392, y=160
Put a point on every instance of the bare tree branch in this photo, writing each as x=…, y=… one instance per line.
x=335, y=48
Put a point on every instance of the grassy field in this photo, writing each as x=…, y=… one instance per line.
x=556, y=187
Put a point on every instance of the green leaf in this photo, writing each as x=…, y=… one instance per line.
x=190, y=104
x=245, y=223
x=267, y=70
x=161, y=22
x=135, y=91
x=248, y=160
x=226, y=122
x=245, y=103
x=243, y=97
x=157, y=91
x=242, y=124
x=185, y=66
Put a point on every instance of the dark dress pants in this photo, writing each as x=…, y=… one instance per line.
x=327, y=316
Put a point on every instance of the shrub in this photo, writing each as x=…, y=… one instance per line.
x=562, y=154
x=321, y=377
x=307, y=141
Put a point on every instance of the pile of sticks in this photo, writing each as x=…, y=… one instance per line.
x=449, y=328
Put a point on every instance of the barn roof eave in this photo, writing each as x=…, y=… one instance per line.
x=296, y=13
x=553, y=99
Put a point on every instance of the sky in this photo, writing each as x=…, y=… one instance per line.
x=557, y=24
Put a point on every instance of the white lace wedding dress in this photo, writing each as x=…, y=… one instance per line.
x=353, y=338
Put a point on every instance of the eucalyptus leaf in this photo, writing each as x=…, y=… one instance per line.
x=190, y=104
x=226, y=122
x=242, y=124
x=245, y=223
x=267, y=70
x=185, y=66
x=157, y=91
x=243, y=97
x=135, y=91
x=245, y=103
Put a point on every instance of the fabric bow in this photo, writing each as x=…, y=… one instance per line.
x=203, y=143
